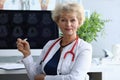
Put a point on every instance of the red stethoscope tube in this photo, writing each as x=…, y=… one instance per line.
x=71, y=51
x=68, y=52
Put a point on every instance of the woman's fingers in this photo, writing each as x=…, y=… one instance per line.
x=20, y=44
x=23, y=46
x=40, y=77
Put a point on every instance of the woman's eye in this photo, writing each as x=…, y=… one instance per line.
x=62, y=20
x=72, y=20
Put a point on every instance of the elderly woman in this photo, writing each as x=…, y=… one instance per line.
x=65, y=58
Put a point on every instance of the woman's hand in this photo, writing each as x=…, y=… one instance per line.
x=23, y=46
x=40, y=77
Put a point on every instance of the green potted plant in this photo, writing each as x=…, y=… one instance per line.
x=92, y=25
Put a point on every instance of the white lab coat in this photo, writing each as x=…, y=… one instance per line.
x=66, y=70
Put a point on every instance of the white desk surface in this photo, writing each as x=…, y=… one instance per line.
x=94, y=68
x=12, y=70
x=22, y=71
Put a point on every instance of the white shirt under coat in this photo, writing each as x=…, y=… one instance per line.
x=67, y=69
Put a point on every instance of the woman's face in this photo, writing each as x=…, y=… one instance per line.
x=68, y=23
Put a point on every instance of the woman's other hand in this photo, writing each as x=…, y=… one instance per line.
x=23, y=46
x=40, y=77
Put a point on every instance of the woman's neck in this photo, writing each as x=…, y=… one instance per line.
x=68, y=39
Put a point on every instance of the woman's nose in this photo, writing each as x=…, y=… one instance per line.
x=68, y=23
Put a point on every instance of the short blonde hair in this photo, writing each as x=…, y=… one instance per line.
x=69, y=7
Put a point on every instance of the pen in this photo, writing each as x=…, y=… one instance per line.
x=25, y=39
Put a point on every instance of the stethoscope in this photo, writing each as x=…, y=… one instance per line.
x=68, y=52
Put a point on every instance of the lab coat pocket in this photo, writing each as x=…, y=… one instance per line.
x=66, y=64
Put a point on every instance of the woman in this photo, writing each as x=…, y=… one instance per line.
x=66, y=58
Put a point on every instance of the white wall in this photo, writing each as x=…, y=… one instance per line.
x=109, y=9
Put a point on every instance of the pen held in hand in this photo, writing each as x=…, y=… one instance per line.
x=25, y=39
